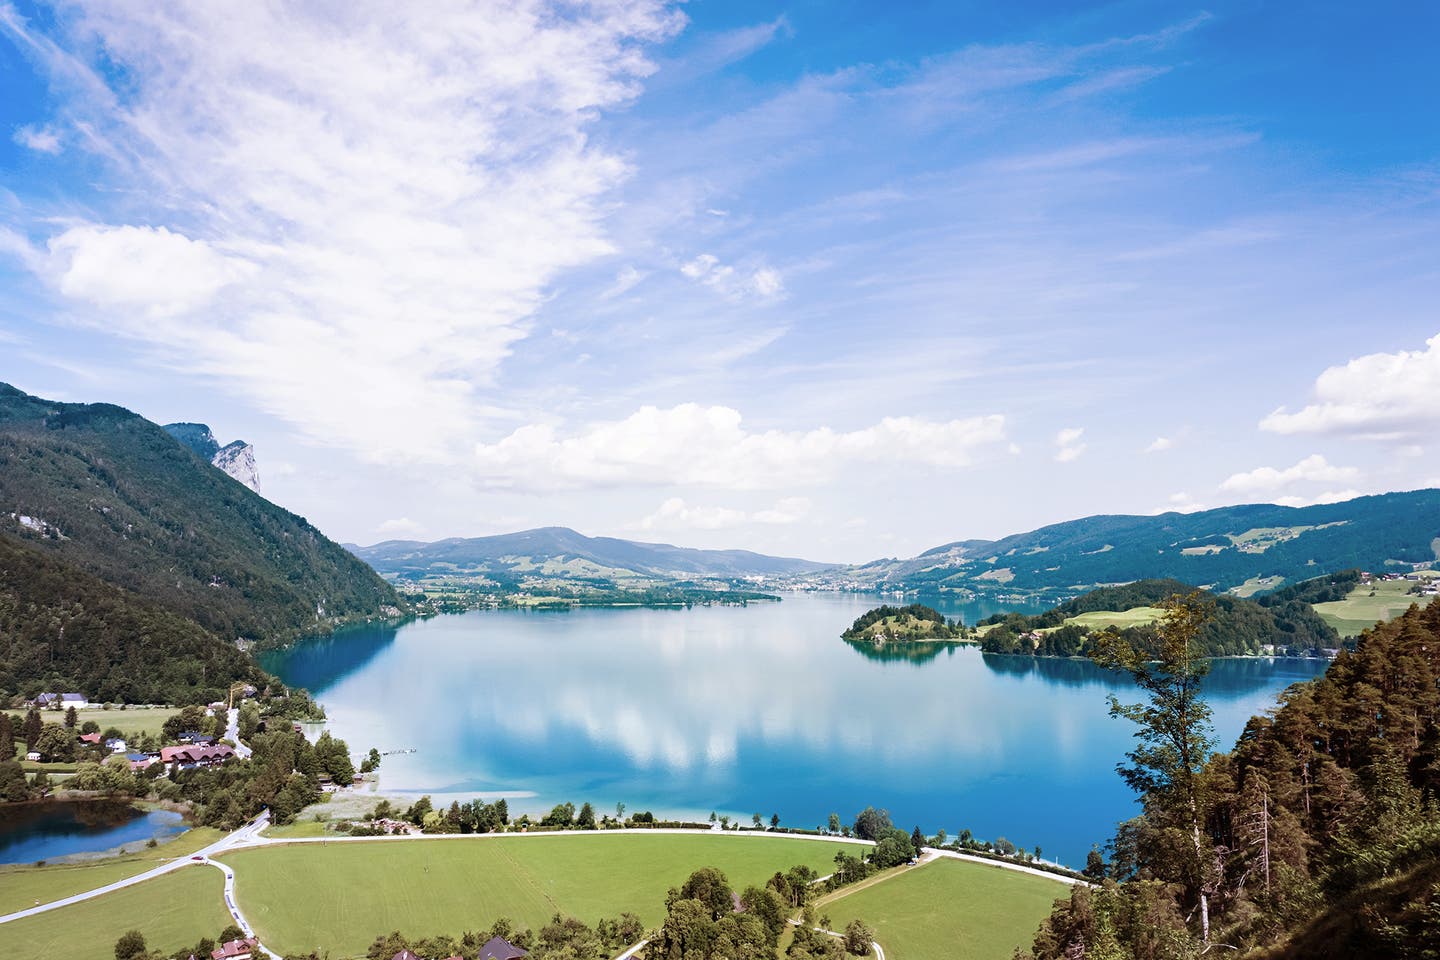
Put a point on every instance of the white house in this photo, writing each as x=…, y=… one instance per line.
x=62, y=701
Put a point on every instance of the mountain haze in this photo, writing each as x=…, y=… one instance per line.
x=562, y=551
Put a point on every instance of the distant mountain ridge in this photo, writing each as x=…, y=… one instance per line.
x=562, y=551
x=1253, y=547
x=104, y=490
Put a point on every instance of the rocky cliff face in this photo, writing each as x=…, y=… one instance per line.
x=237, y=459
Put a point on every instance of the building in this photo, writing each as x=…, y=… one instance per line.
x=498, y=948
x=139, y=761
x=61, y=701
x=116, y=745
x=405, y=955
x=235, y=950
x=190, y=757
x=91, y=738
x=195, y=737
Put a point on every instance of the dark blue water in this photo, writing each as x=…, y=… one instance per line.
x=758, y=709
x=48, y=831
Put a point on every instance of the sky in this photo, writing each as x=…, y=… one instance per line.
x=839, y=280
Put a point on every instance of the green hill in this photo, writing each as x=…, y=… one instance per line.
x=103, y=490
x=1245, y=548
x=1240, y=627
x=886, y=624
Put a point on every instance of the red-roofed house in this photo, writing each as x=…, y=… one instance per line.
x=235, y=950
x=189, y=757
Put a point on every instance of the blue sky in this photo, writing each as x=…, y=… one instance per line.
x=840, y=280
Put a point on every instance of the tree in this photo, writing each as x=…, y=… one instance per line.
x=774, y=821
x=1174, y=730
x=89, y=726
x=7, y=737
x=709, y=886
x=30, y=731
x=755, y=818
x=71, y=718
x=55, y=743
x=1094, y=865
x=130, y=946
x=586, y=818
x=872, y=824
x=713, y=818
x=12, y=781
x=834, y=823
x=917, y=840
x=620, y=812
x=858, y=938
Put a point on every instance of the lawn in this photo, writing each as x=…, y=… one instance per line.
x=339, y=896
x=1360, y=610
x=172, y=911
x=950, y=910
x=21, y=886
x=1099, y=619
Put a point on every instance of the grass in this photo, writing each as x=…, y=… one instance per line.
x=1255, y=585
x=950, y=910
x=340, y=896
x=172, y=911
x=1099, y=619
x=1360, y=610
x=21, y=886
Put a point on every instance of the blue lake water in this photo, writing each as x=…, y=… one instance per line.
x=744, y=710
x=48, y=831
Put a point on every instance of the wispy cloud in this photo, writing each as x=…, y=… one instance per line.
x=1068, y=445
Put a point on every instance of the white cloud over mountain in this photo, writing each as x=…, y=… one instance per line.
x=709, y=446
x=1313, y=469
x=1384, y=395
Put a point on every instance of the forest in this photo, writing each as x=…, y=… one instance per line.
x=1316, y=836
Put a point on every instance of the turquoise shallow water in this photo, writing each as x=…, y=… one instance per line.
x=743, y=710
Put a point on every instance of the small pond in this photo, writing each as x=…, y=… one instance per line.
x=51, y=830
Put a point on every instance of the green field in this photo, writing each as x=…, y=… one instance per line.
x=950, y=910
x=21, y=886
x=339, y=896
x=133, y=720
x=172, y=911
x=1100, y=619
x=1360, y=611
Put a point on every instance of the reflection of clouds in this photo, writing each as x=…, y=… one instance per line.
x=514, y=698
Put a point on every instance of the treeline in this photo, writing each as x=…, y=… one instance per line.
x=1320, y=830
x=1239, y=627
x=62, y=629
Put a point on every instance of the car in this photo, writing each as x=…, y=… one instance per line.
x=197, y=857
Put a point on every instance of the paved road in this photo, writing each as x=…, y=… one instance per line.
x=244, y=835
x=232, y=733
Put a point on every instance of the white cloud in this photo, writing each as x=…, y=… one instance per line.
x=39, y=139
x=625, y=281
x=1180, y=502
x=161, y=272
x=732, y=282
x=399, y=526
x=709, y=446
x=1313, y=469
x=1160, y=444
x=406, y=182
x=1382, y=395
x=676, y=514
x=1068, y=445
x=1329, y=496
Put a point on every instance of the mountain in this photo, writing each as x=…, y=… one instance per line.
x=1246, y=549
x=560, y=551
x=237, y=458
x=106, y=491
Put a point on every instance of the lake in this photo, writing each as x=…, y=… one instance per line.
x=742, y=710
x=50, y=830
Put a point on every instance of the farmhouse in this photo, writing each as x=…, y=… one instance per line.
x=61, y=701
x=190, y=757
x=234, y=950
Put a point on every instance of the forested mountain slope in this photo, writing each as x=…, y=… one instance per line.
x=65, y=629
x=109, y=492
x=1220, y=549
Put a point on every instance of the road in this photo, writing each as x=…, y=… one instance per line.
x=232, y=733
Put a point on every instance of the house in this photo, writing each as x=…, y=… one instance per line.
x=498, y=948
x=91, y=738
x=405, y=955
x=61, y=701
x=235, y=950
x=195, y=736
x=139, y=761
x=190, y=757
x=33, y=756
x=116, y=745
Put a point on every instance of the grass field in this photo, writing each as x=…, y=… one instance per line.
x=340, y=896
x=172, y=911
x=21, y=886
x=950, y=910
x=1360, y=611
x=1099, y=619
